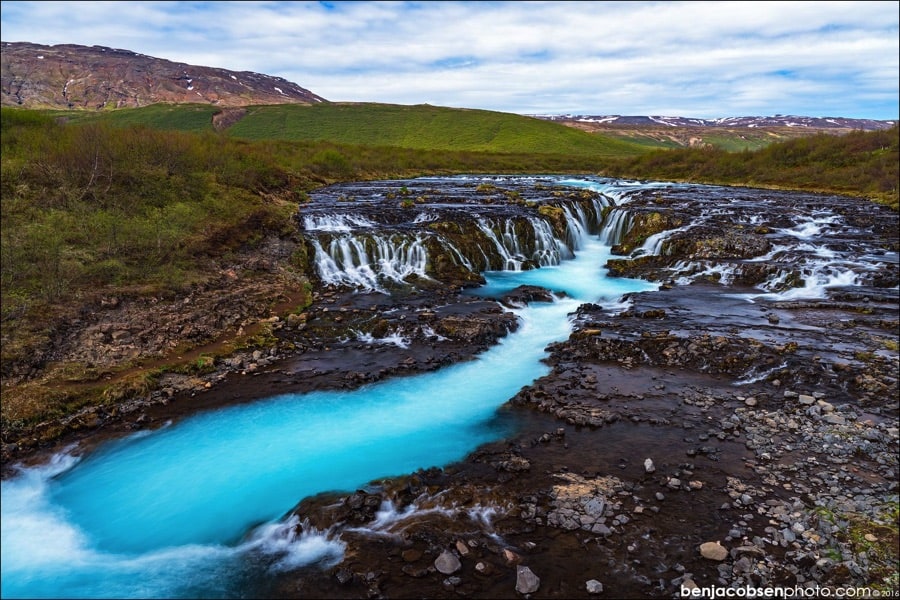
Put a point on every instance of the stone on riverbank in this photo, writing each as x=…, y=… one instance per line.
x=713, y=551
x=526, y=581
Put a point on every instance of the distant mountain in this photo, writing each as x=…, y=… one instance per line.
x=95, y=77
x=773, y=121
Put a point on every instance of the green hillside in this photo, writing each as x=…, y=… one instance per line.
x=419, y=127
x=423, y=127
x=177, y=117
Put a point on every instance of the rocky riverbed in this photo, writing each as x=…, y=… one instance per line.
x=633, y=480
x=738, y=427
x=708, y=435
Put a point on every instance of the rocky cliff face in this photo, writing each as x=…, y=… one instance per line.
x=96, y=77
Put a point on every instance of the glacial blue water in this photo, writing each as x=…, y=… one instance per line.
x=195, y=509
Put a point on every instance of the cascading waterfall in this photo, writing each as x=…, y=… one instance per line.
x=369, y=260
x=817, y=278
x=577, y=226
x=654, y=245
x=690, y=271
x=548, y=250
x=509, y=252
x=332, y=222
x=541, y=248
x=813, y=226
x=616, y=226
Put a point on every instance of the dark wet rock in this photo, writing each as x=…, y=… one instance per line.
x=526, y=294
x=512, y=463
x=476, y=330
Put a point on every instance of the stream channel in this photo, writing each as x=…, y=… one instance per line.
x=196, y=509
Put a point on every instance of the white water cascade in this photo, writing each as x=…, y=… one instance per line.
x=369, y=260
x=514, y=252
x=616, y=226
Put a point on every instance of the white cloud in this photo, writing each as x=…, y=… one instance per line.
x=705, y=59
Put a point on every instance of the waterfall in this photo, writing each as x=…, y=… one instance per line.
x=370, y=260
x=548, y=250
x=577, y=226
x=508, y=249
x=539, y=245
x=616, y=225
x=350, y=260
x=332, y=222
x=817, y=278
x=654, y=245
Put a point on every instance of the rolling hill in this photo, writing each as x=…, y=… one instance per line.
x=419, y=127
x=423, y=127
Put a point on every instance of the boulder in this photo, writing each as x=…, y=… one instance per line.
x=713, y=551
x=526, y=581
x=447, y=563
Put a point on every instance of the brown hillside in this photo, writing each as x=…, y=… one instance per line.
x=95, y=77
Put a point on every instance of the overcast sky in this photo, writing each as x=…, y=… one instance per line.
x=691, y=59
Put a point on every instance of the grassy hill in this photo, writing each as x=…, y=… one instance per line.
x=420, y=127
x=424, y=127
x=195, y=118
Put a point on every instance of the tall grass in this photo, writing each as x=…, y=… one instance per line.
x=862, y=163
